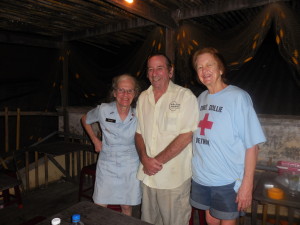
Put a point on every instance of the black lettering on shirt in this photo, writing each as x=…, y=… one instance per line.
x=110, y=120
x=202, y=141
x=215, y=108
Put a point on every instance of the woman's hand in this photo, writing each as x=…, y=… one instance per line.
x=97, y=144
x=244, y=196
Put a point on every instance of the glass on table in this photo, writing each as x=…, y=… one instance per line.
x=293, y=180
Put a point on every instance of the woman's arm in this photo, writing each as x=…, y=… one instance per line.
x=88, y=128
x=244, y=195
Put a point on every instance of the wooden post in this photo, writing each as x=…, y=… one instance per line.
x=277, y=214
x=89, y=157
x=46, y=170
x=291, y=213
x=36, y=165
x=65, y=100
x=265, y=214
x=254, y=212
x=78, y=165
x=18, y=129
x=169, y=37
x=84, y=158
x=6, y=128
x=65, y=87
x=73, y=164
x=27, y=170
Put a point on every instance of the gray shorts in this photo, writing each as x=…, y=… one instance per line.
x=219, y=200
x=167, y=206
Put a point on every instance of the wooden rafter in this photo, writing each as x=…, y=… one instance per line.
x=141, y=9
x=219, y=7
x=105, y=29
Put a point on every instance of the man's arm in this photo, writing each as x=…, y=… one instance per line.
x=188, y=120
x=175, y=147
x=244, y=195
x=151, y=165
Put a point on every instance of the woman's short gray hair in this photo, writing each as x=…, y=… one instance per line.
x=121, y=77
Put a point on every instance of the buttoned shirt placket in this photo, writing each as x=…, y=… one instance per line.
x=156, y=111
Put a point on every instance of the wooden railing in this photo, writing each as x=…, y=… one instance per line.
x=33, y=166
x=18, y=113
x=80, y=156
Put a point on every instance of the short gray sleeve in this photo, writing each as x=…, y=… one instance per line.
x=93, y=115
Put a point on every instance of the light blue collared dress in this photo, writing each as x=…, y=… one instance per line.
x=116, y=181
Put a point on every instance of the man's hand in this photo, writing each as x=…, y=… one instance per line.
x=151, y=166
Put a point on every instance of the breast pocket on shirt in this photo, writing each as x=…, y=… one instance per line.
x=170, y=121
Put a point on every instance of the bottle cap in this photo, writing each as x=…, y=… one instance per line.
x=76, y=218
x=55, y=221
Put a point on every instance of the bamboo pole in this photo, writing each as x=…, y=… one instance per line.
x=27, y=169
x=73, y=164
x=277, y=214
x=6, y=128
x=18, y=129
x=84, y=158
x=36, y=165
x=78, y=165
x=89, y=158
x=46, y=170
x=93, y=157
x=265, y=214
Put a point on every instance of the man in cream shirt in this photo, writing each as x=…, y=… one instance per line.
x=167, y=116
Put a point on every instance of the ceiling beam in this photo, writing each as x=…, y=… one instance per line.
x=219, y=7
x=29, y=40
x=105, y=29
x=141, y=9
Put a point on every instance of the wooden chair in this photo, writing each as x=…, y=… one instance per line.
x=90, y=171
x=9, y=180
x=201, y=216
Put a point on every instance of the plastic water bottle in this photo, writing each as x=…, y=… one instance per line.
x=55, y=221
x=76, y=220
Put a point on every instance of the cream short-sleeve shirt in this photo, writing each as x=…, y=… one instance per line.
x=159, y=123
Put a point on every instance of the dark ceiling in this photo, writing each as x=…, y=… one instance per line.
x=109, y=23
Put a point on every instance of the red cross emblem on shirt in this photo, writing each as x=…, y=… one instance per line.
x=205, y=124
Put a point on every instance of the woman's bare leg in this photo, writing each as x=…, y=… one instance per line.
x=103, y=205
x=126, y=209
x=210, y=220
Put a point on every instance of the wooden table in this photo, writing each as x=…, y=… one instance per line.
x=92, y=214
x=266, y=180
x=50, y=150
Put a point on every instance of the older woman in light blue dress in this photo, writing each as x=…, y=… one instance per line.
x=116, y=182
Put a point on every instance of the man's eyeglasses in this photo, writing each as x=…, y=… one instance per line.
x=122, y=91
